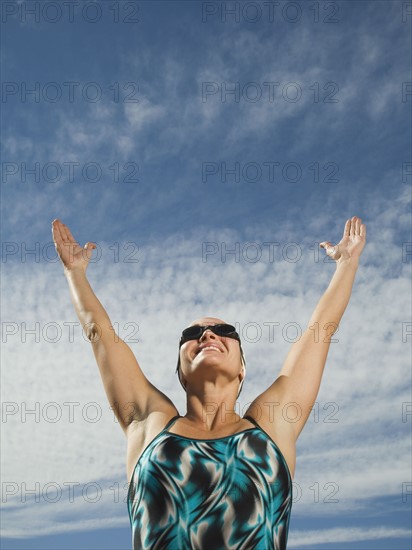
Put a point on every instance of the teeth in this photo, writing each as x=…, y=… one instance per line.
x=210, y=347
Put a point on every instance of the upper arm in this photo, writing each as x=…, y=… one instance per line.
x=292, y=395
x=130, y=394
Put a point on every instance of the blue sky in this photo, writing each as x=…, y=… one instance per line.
x=131, y=135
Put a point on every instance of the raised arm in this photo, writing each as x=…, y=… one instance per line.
x=130, y=394
x=301, y=374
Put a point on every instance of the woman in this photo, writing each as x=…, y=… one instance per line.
x=211, y=479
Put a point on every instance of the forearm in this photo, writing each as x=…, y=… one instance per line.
x=333, y=303
x=86, y=304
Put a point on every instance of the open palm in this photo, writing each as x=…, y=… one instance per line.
x=72, y=255
x=352, y=242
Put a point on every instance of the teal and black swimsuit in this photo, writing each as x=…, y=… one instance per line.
x=232, y=492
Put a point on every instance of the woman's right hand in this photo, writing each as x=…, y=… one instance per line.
x=72, y=255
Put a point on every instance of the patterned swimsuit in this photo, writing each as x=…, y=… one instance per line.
x=232, y=492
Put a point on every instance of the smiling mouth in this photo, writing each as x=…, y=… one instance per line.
x=211, y=348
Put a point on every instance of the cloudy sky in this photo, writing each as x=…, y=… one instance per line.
x=207, y=148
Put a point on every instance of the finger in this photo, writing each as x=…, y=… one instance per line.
x=65, y=234
x=54, y=230
x=70, y=236
x=59, y=231
x=363, y=230
x=57, y=235
x=352, y=226
x=326, y=245
x=347, y=228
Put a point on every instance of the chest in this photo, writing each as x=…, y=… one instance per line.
x=243, y=468
x=140, y=438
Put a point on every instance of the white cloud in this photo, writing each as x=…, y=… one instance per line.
x=142, y=113
x=352, y=534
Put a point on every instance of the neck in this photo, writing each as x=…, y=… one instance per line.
x=210, y=413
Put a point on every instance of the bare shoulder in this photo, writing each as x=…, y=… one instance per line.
x=275, y=415
x=140, y=433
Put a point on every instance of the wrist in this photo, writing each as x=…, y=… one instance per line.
x=351, y=262
x=74, y=271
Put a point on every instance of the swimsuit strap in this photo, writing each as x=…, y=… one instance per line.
x=171, y=422
x=252, y=420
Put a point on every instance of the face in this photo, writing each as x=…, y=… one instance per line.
x=210, y=350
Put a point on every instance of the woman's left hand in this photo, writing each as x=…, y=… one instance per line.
x=351, y=244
